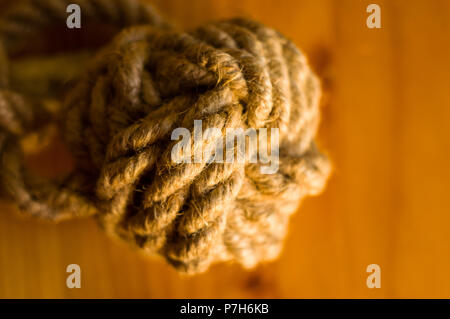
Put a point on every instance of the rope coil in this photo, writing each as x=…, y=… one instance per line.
x=119, y=116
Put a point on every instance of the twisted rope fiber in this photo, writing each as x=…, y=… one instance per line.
x=118, y=118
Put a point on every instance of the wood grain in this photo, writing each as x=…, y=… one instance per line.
x=385, y=125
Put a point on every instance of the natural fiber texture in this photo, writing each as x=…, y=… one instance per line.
x=118, y=118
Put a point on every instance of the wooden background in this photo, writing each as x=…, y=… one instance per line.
x=386, y=127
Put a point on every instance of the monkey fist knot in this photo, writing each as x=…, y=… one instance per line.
x=233, y=74
x=119, y=118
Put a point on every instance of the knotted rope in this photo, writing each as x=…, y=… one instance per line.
x=118, y=118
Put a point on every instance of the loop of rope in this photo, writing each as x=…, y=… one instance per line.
x=20, y=116
x=119, y=116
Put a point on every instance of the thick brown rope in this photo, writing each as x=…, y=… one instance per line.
x=119, y=116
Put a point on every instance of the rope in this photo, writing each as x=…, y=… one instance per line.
x=118, y=118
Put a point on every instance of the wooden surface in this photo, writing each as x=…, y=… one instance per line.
x=386, y=127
